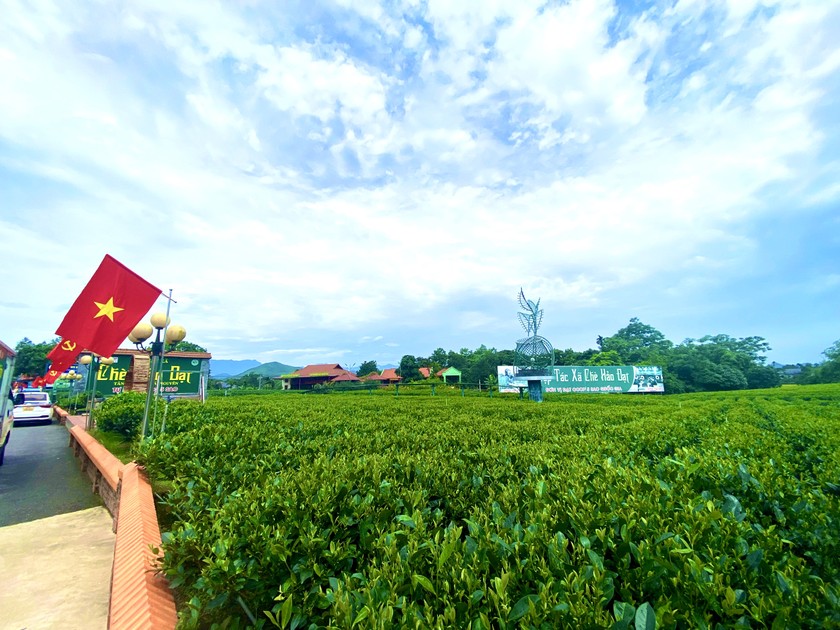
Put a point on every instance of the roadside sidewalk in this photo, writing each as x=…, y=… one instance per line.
x=57, y=571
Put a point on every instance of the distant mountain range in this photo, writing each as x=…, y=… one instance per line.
x=229, y=368
x=270, y=369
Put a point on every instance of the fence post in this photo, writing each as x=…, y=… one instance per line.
x=433, y=389
x=397, y=389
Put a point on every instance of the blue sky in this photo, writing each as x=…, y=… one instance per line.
x=353, y=180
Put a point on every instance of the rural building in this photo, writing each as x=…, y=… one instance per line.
x=450, y=375
x=312, y=375
x=388, y=376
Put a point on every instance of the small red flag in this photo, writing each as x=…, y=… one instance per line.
x=61, y=364
x=51, y=376
x=64, y=350
x=108, y=308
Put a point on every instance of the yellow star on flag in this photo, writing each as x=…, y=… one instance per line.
x=107, y=309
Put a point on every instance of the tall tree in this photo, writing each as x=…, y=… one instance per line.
x=409, y=370
x=610, y=357
x=637, y=343
x=31, y=357
x=368, y=367
x=188, y=346
x=827, y=371
x=439, y=356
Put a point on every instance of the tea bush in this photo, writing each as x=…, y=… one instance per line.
x=696, y=511
x=122, y=414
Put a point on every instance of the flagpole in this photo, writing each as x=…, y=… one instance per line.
x=91, y=384
x=160, y=359
x=154, y=380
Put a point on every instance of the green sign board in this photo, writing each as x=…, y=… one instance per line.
x=179, y=376
x=62, y=386
x=588, y=379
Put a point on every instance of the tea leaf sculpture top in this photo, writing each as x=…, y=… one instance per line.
x=533, y=354
x=533, y=318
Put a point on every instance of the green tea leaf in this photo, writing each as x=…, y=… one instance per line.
x=423, y=581
x=522, y=607
x=623, y=611
x=444, y=554
x=363, y=614
x=645, y=617
x=782, y=583
x=754, y=558
x=404, y=519
x=286, y=612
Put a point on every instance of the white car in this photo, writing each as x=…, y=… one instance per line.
x=33, y=406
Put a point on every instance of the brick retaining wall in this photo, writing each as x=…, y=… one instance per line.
x=140, y=596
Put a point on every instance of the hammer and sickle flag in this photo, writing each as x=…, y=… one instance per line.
x=63, y=355
x=107, y=309
x=64, y=350
x=51, y=376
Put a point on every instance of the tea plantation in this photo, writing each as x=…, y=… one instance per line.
x=375, y=511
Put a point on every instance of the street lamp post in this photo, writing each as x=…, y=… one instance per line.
x=172, y=334
x=92, y=361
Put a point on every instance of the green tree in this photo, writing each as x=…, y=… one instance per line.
x=188, y=346
x=826, y=372
x=31, y=357
x=478, y=364
x=637, y=344
x=368, y=367
x=718, y=362
x=743, y=353
x=610, y=357
x=439, y=357
x=720, y=377
x=762, y=377
x=573, y=357
x=409, y=370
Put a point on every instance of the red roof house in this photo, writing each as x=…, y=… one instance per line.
x=388, y=376
x=312, y=375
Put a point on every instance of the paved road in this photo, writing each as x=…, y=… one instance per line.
x=40, y=476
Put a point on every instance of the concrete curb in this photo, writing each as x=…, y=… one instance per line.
x=140, y=597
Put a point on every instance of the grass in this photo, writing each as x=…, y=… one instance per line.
x=120, y=447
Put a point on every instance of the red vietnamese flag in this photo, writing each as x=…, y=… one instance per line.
x=108, y=308
x=64, y=351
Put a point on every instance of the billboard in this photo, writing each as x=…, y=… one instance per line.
x=180, y=376
x=589, y=379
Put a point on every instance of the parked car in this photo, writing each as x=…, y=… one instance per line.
x=33, y=406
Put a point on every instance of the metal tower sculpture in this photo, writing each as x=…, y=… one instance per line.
x=534, y=355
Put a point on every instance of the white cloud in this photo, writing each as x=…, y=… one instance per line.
x=283, y=183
